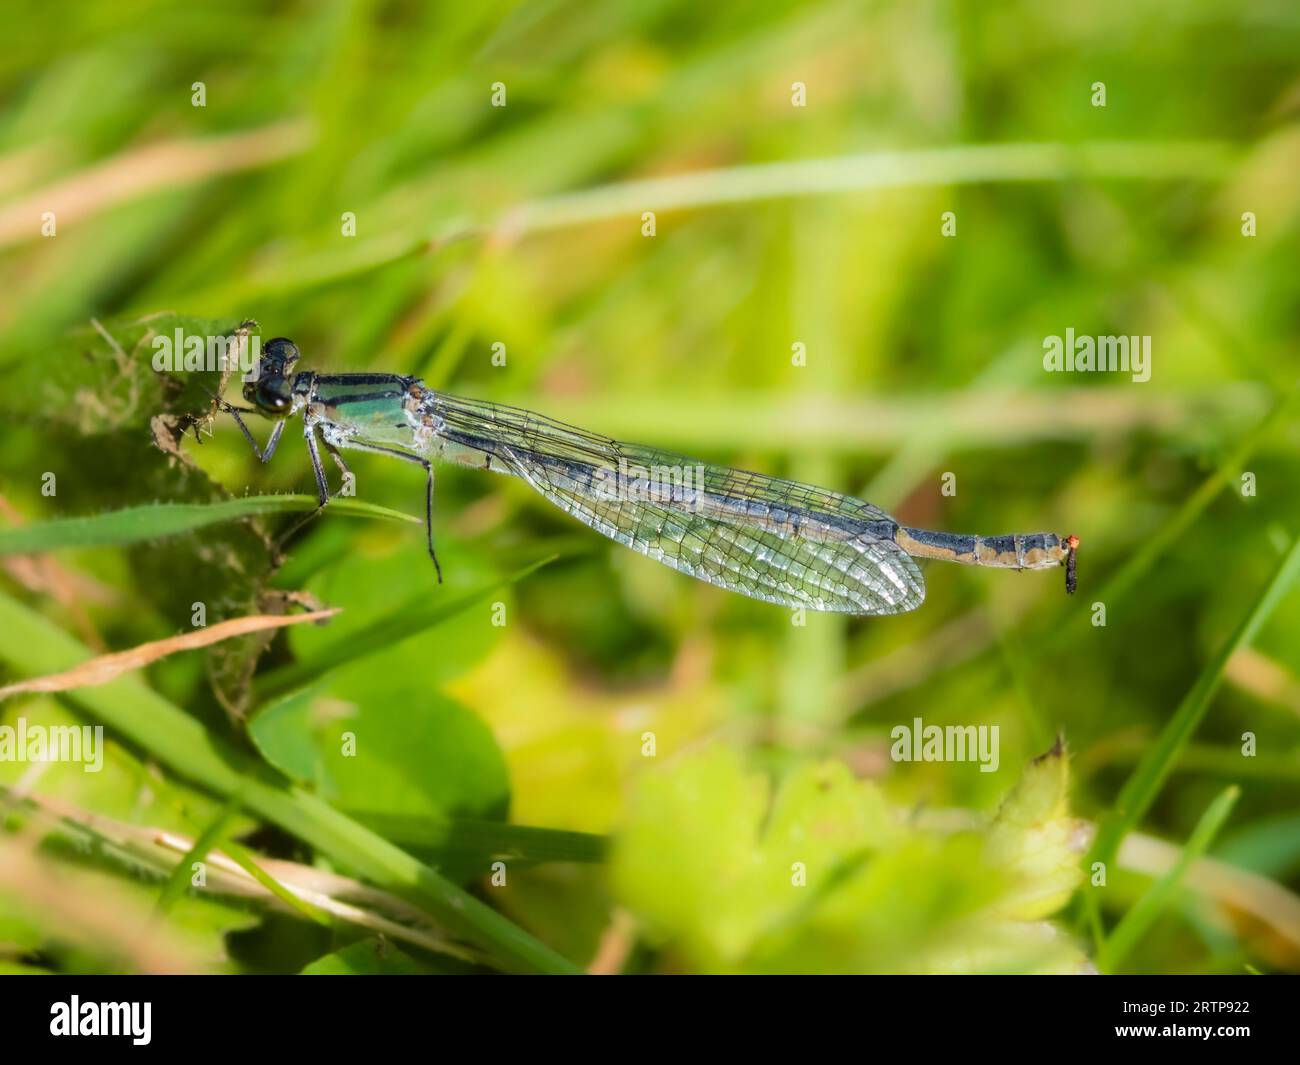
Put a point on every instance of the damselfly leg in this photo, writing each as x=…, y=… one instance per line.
x=378, y=449
x=272, y=442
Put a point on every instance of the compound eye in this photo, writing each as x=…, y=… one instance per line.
x=273, y=395
x=281, y=350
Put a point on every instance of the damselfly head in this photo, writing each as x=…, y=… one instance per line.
x=272, y=391
x=278, y=357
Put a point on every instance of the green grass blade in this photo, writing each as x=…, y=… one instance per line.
x=966, y=164
x=156, y=521
x=32, y=644
x=178, y=881
x=244, y=859
x=487, y=840
x=1147, y=779
x=1144, y=912
x=924, y=168
x=1159, y=542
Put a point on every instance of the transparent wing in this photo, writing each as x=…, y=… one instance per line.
x=765, y=537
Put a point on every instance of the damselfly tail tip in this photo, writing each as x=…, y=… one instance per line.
x=1071, y=574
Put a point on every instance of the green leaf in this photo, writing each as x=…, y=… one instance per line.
x=830, y=879
x=1034, y=838
x=685, y=862
x=377, y=742
x=100, y=380
x=417, y=615
x=366, y=588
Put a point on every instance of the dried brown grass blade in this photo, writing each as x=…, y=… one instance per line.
x=104, y=668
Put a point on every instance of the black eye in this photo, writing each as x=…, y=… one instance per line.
x=273, y=394
x=270, y=395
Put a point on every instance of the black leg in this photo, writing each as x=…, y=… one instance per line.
x=428, y=518
x=338, y=459
x=322, y=485
x=195, y=423
x=344, y=469
x=271, y=443
x=428, y=488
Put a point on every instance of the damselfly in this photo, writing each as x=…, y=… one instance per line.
x=765, y=537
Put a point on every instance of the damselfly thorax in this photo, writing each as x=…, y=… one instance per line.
x=765, y=537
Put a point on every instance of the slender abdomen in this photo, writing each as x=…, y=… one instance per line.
x=1015, y=551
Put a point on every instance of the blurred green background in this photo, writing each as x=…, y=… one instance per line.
x=599, y=763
